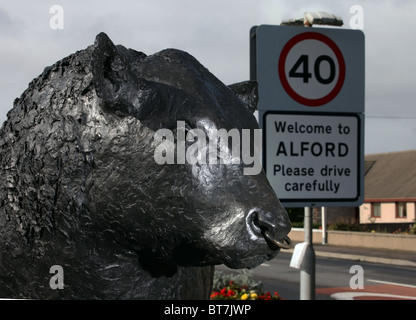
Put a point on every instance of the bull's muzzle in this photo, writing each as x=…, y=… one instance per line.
x=263, y=224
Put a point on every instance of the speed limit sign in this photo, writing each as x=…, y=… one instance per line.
x=309, y=69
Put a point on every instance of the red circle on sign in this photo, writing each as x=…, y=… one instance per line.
x=281, y=68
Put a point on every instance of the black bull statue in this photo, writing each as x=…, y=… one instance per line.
x=85, y=210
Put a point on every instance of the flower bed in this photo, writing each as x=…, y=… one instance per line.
x=240, y=287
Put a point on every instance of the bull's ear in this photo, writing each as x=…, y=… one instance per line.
x=247, y=91
x=113, y=79
x=109, y=69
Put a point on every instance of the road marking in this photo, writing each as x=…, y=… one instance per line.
x=356, y=257
x=352, y=295
x=265, y=265
x=392, y=283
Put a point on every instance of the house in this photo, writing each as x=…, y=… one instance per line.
x=389, y=188
x=389, y=194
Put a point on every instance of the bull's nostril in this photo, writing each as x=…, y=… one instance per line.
x=260, y=223
x=267, y=229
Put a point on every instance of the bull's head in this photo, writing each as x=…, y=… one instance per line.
x=180, y=211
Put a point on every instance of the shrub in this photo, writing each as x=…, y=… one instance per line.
x=344, y=227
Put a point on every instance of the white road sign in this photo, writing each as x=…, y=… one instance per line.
x=309, y=69
x=313, y=158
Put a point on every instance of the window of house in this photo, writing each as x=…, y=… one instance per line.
x=376, y=210
x=401, y=211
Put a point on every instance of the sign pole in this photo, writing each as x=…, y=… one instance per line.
x=323, y=223
x=307, y=273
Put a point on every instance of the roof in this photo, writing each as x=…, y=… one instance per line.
x=390, y=175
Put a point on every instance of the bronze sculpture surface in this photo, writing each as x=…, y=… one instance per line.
x=80, y=187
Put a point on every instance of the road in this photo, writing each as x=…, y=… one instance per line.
x=333, y=277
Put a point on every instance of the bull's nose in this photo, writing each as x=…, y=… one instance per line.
x=262, y=223
x=285, y=243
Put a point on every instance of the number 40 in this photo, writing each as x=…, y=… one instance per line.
x=303, y=63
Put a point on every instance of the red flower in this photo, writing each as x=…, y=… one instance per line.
x=214, y=294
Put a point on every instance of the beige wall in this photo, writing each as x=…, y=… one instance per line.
x=388, y=213
x=359, y=239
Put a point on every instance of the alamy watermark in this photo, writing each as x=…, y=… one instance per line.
x=56, y=22
x=56, y=281
x=194, y=147
x=357, y=20
x=357, y=280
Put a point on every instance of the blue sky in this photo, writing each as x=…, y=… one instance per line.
x=216, y=33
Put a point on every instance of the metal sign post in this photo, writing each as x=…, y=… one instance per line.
x=323, y=223
x=307, y=270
